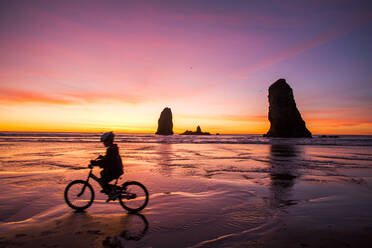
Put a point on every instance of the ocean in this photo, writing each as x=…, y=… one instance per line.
x=205, y=191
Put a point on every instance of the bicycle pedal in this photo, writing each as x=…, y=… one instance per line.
x=112, y=197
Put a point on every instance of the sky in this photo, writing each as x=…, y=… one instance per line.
x=114, y=65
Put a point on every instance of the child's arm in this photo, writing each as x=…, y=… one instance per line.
x=103, y=161
x=99, y=161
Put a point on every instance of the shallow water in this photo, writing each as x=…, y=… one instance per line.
x=204, y=191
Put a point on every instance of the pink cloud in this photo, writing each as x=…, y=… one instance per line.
x=8, y=95
x=24, y=96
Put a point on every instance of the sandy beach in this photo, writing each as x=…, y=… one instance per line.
x=272, y=194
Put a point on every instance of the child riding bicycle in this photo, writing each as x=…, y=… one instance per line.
x=110, y=162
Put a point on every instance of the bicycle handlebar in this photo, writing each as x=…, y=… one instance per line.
x=90, y=166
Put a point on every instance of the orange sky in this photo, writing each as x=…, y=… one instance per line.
x=115, y=65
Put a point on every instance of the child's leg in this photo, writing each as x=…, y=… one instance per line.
x=104, y=182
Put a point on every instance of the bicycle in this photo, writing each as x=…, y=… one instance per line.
x=133, y=196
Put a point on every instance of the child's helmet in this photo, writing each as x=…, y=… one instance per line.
x=107, y=136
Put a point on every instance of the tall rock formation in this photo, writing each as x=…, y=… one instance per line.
x=165, y=123
x=284, y=117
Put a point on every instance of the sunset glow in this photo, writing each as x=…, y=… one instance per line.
x=114, y=65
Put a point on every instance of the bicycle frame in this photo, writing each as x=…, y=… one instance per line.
x=91, y=175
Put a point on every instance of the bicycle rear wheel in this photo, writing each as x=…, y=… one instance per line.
x=79, y=194
x=134, y=196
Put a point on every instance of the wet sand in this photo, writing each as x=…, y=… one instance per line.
x=212, y=213
x=200, y=196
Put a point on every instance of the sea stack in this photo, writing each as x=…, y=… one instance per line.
x=284, y=117
x=165, y=123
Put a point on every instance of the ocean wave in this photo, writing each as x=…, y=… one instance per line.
x=342, y=140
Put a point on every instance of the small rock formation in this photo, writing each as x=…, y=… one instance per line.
x=329, y=136
x=198, y=129
x=284, y=117
x=197, y=132
x=165, y=124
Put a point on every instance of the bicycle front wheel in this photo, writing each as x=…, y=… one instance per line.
x=134, y=196
x=79, y=194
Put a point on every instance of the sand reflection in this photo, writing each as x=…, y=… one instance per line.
x=81, y=229
x=283, y=173
x=135, y=228
x=165, y=150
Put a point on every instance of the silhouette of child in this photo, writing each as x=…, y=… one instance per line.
x=110, y=162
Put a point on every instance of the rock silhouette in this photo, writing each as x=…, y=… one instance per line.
x=284, y=117
x=197, y=132
x=165, y=123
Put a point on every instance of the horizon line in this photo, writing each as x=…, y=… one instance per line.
x=124, y=132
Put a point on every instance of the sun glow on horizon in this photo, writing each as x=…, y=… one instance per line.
x=101, y=118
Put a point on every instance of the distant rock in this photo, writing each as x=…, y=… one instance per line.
x=165, y=123
x=198, y=129
x=329, y=136
x=284, y=117
x=197, y=132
